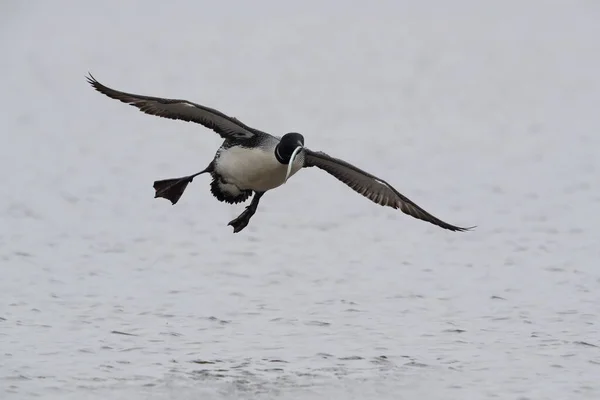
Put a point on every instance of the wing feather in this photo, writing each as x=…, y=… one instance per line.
x=375, y=189
x=227, y=127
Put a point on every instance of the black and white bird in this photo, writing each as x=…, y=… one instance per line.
x=253, y=162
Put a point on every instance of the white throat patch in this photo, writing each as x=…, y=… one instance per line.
x=289, y=168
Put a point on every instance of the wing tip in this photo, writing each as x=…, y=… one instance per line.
x=94, y=82
x=461, y=229
x=90, y=78
x=105, y=90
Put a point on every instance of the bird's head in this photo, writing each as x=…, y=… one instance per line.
x=287, y=145
x=287, y=149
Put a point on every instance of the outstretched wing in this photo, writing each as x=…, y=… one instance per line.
x=227, y=127
x=375, y=189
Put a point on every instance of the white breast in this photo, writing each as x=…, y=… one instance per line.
x=253, y=168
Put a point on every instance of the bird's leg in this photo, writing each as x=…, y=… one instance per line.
x=172, y=189
x=242, y=220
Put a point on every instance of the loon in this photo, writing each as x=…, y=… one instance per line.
x=252, y=162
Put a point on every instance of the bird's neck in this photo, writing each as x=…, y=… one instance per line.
x=281, y=158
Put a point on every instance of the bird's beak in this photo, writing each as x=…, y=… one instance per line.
x=289, y=168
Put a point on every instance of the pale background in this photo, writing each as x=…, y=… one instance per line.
x=485, y=113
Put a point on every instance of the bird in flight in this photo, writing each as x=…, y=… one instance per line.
x=252, y=162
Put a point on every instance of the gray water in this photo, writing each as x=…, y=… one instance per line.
x=484, y=113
